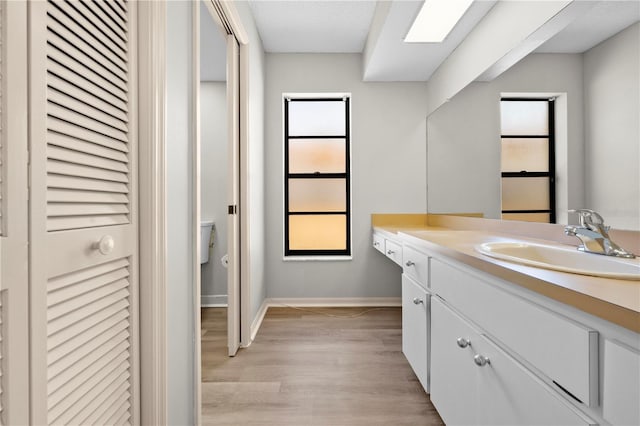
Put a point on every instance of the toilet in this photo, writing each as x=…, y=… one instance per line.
x=205, y=240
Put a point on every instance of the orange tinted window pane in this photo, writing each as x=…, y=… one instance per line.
x=317, y=155
x=531, y=155
x=525, y=193
x=317, y=195
x=528, y=217
x=311, y=232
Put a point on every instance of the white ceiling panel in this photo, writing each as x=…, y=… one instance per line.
x=603, y=20
x=313, y=26
x=392, y=59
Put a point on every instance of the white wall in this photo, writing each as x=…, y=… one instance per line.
x=180, y=244
x=612, y=128
x=388, y=171
x=463, y=137
x=256, y=62
x=213, y=185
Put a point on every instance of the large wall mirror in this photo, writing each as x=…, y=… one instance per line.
x=584, y=86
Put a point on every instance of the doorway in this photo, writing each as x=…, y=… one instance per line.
x=214, y=187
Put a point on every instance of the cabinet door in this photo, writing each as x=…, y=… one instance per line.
x=415, y=313
x=452, y=379
x=621, y=389
x=509, y=394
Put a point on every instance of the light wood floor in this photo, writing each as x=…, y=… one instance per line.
x=309, y=369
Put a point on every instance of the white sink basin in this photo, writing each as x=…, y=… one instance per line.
x=563, y=259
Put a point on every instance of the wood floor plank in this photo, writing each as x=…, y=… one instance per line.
x=317, y=366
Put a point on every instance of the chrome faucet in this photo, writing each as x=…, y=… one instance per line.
x=594, y=235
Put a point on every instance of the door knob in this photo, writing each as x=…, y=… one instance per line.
x=481, y=360
x=105, y=245
x=462, y=342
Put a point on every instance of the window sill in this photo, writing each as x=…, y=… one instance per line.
x=317, y=258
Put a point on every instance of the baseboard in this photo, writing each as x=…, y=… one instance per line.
x=257, y=321
x=213, y=300
x=335, y=302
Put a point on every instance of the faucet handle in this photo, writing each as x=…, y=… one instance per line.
x=588, y=217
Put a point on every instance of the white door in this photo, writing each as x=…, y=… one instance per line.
x=83, y=204
x=233, y=273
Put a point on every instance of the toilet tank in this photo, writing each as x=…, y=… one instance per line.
x=205, y=240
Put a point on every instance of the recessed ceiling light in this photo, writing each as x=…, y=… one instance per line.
x=436, y=19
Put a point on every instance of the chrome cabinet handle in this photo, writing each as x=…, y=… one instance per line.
x=105, y=245
x=376, y=244
x=409, y=263
x=462, y=342
x=390, y=252
x=417, y=301
x=481, y=360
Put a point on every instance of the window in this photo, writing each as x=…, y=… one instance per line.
x=317, y=190
x=528, y=160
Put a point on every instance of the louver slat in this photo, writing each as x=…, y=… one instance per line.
x=98, y=30
x=70, y=169
x=61, y=47
x=87, y=80
x=88, y=343
x=87, y=116
x=80, y=158
x=65, y=182
x=73, y=131
x=102, y=21
x=87, y=38
x=116, y=13
x=56, y=108
x=63, y=196
x=89, y=99
x=68, y=142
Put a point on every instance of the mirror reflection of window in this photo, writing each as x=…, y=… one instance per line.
x=527, y=160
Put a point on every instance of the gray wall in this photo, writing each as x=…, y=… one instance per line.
x=612, y=128
x=463, y=137
x=180, y=244
x=388, y=171
x=256, y=63
x=213, y=185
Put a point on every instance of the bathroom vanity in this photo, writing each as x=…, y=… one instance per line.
x=495, y=342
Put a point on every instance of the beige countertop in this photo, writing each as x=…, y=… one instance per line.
x=616, y=301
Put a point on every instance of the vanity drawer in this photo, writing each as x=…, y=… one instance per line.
x=416, y=265
x=393, y=251
x=562, y=349
x=378, y=243
x=473, y=381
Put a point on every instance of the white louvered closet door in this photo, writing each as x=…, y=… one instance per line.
x=83, y=212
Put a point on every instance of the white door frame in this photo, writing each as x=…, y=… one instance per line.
x=152, y=208
x=152, y=205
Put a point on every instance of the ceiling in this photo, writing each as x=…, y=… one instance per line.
x=377, y=29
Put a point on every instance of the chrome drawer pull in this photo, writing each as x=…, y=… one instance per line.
x=462, y=342
x=390, y=252
x=409, y=263
x=417, y=301
x=481, y=360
